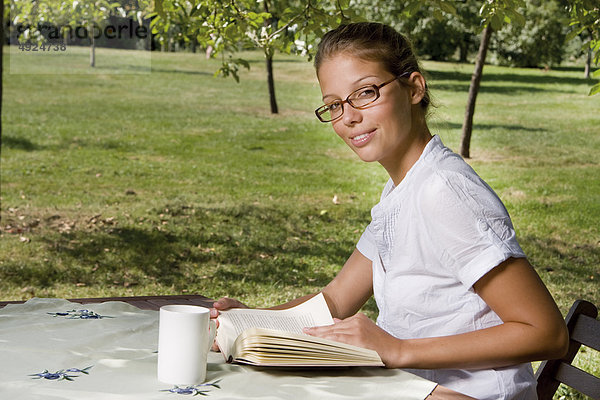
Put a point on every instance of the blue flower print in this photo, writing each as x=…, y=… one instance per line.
x=60, y=375
x=193, y=390
x=79, y=314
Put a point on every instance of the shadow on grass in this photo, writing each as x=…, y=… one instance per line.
x=181, y=71
x=531, y=79
x=101, y=144
x=580, y=260
x=18, y=143
x=486, y=87
x=487, y=127
x=277, y=60
x=262, y=245
x=569, y=268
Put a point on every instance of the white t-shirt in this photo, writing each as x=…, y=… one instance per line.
x=430, y=239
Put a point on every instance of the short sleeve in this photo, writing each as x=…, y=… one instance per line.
x=367, y=245
x=468, y=224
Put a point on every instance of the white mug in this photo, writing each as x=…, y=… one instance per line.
x=185, y=335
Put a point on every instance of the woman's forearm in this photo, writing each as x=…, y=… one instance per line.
x=506, y=344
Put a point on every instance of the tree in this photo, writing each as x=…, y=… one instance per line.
x=438, y=34
x=1, y=66
x=467, y=127
x=90, y=14
x=269, y=25
x=494, y=14
x=584, y=16
x=34, y=19
x=539, y=42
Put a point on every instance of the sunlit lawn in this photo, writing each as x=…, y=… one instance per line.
x=174, y=181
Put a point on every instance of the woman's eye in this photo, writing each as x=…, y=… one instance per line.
x=368, y=92
x=334, y=106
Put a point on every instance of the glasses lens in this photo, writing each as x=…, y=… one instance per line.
x=363, y=96
x=330, y=112
x=323, y=113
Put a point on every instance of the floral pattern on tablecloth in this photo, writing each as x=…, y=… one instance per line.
x=193, y=390
x=78, y=314
x=61, y=375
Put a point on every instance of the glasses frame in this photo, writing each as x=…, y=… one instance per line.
x=349, y=102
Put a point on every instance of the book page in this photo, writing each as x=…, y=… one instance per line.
x=313, y=312
x=269, y=348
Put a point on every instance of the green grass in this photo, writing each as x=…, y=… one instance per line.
x=174, y=181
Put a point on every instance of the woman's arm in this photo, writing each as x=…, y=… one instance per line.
x=532, y=329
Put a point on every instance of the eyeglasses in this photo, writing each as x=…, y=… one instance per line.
x=358, y=99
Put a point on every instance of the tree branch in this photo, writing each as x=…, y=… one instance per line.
x=290, y=22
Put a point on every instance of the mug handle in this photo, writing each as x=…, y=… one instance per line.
x=212, y=332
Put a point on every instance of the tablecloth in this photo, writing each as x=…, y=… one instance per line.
x=54, y=349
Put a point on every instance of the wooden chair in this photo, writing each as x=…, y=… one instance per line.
x=584, y=329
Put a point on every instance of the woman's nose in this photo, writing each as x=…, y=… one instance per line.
x=351, y=115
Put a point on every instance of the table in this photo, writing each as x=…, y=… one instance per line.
x=57, y=349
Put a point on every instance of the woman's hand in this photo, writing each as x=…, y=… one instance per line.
x=224, y=303
x=359, y=330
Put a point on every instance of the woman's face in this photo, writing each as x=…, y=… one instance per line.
x=382, y=131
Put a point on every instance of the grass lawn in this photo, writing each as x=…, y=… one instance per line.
x=174, y=181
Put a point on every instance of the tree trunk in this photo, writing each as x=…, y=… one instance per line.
x=587, y=73
x=473, y=90
x=93, y=47
x=1, y=60
x=464, y=51
x=271, y=81
x=588, y=64
x=269, y=60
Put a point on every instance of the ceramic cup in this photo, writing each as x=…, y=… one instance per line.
x=185, y=335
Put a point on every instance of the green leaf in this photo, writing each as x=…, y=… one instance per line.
x=412, y=8
x=438, y=15
x=344, y=3
x=447, y=7
x=514, y=17
x=573, y=34
x=496, y=22
x=595, y=89
x=242, y=62
x=158, y=7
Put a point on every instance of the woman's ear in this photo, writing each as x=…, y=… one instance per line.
x=418, y=87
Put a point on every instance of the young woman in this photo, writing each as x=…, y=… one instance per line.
x=458, y=302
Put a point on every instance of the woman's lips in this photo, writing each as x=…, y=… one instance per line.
x=362, y=139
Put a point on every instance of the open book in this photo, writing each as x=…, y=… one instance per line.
x=275, y=338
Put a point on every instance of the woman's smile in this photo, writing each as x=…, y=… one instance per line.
x=362, y=139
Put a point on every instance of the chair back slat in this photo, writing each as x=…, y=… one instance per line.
x=581, y=380
x=586, y=331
